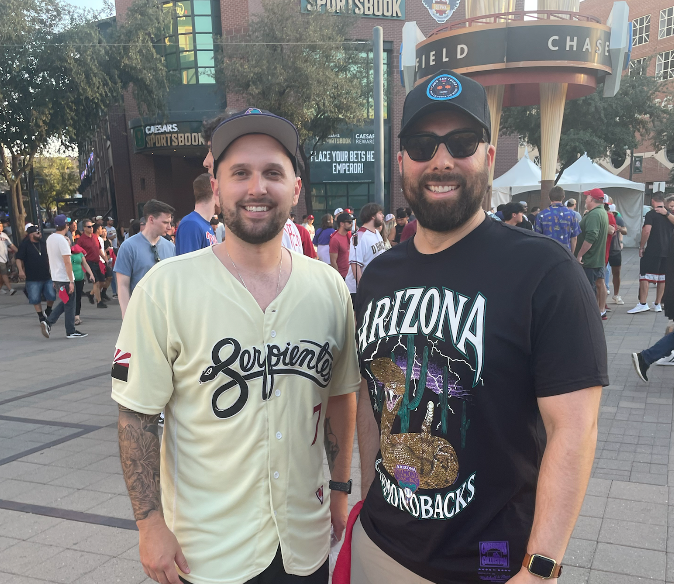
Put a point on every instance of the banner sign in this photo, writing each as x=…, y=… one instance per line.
x=391, y=9
x=349, y=157
x=165, y=138
x=516, y=45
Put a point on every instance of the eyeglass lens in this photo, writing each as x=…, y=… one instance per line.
x=461, y=144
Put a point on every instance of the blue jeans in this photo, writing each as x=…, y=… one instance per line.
x=608, y=276
x=60, y=308
x=661, y=349
x=35, y=290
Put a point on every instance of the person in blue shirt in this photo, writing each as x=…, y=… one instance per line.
x=557, y=221
x=140, y=252
x=195, y=231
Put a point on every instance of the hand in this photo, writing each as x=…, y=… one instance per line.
x=22, y=276
x=71, y=287
x=580, y=259
x=160, y=551
x=339, y=512
x=526, y=577
x=641, y=252
x=90, y=278
x=660, y=210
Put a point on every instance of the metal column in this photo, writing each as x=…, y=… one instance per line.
x=378, y=89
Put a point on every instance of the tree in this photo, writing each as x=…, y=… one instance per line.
x=301, y=67
x=56, y=177
x=596, y=125
x=59, y=72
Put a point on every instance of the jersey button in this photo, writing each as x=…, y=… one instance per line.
x=278, y=392
x=279, y=435
x=273, y=334
x=276, y=475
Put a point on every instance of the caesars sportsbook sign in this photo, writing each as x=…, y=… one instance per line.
x=393, y=9
x=165, y=138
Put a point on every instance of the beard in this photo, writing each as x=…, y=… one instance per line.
x=378, y=222
x=256, y=232
x=446, y=215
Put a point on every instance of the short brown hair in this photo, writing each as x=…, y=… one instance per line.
x=368, y=212
x=556, y=194
x=155, y=208
x=202, y=188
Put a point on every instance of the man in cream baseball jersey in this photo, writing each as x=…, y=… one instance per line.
x=250, y=349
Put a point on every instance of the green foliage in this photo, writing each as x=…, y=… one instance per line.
x=311, y=77
x=597, y=125
x=56, y=177
x=61, y=69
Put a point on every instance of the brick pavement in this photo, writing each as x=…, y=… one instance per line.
x=64, y=512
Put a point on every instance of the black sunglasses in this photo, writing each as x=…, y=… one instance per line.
x=459, y=143
x=156, y=253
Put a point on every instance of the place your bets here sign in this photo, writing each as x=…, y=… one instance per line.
x=349, y=157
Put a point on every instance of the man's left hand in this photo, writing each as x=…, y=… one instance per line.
x=661, y=210
x=339, y=512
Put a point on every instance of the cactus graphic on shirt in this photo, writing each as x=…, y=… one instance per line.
x=465, y=424
x=407, y=406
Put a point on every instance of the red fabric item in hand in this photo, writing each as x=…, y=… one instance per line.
x=342, y=573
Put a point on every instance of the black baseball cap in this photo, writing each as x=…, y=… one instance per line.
x=255, y=121
x=446, y=90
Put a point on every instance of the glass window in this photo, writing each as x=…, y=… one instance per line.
x=206, y=75
x=183, y=9
x=638, y=67
x=204, y=41
x=641, y=30
x=664, y=66
x=186, y=42
x=205, y=58
x=203, y=24
x=189, y=77
x=202, y=7
x=187, y=60
x=171, y=61
x=184, y=25
x=666, y=23
x=358, y=189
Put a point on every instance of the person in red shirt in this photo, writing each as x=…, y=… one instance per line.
x=612, y=226
x=307, y=245
x=93, y=254
x=339, y=244
x=409, y=231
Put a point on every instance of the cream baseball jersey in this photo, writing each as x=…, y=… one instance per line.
x=245, y=394
x=369, y=246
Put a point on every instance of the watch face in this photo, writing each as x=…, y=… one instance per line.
x=541, y=566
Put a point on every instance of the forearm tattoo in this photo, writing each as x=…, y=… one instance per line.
x=331, y=444
x=139, y=453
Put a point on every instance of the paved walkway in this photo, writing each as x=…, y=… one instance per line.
x=65, y=516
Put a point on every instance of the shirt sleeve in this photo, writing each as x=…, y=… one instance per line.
x=592, y=227
x=357, y=252
x=124, y=260
x=573, y=356
x=64, y=247
x=345, y=370
x=334, y=244
x=190, y=237
x=575, y=226
x=648, y=219
x=142, y=373
x=21, y=253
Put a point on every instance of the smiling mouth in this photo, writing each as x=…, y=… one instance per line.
x=256, y=208
x=442, y=188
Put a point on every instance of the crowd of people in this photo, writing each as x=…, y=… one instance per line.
x=479, y=388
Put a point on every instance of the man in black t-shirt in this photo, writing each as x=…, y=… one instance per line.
x=401, y=221
x=475, y=340
x=653, y=251
x=33, y=264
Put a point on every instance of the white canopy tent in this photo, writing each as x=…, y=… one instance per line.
x=523, y=177
x=628, y=196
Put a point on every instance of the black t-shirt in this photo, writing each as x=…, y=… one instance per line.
x=399, y=232
x=525, y=225
x=661, y=233
x=456, y=348
x=36, y=263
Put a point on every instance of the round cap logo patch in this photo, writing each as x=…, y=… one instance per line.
x=444, y=87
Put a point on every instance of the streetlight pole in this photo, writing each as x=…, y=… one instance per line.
x=378, y=88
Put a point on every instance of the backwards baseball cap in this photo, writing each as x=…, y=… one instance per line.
x=32, y=229
x=310, y=217
x=255, y=121
x=596, y=194
x=443, y=91
x=338, y=210
x=60, y=221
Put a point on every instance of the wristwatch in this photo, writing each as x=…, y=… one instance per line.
x=344, y=487
x=542, y=566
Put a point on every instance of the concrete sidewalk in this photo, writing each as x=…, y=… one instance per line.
x=65, y=516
